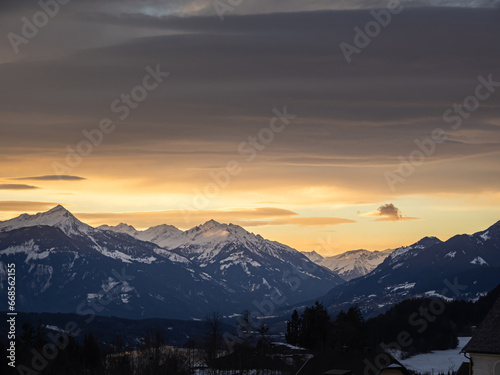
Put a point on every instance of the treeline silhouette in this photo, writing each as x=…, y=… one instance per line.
x=426, y=324
x=431, y=328
x=42, y=350
x=314, y=329
x=35, y=354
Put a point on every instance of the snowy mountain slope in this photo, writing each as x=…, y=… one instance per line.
x=165, y=236
x=427, y=268
x=226, y=250
x=111, y=244
x=215, y=236
x=121, y=228
x=204, y=242
x=57, y=217
x=407, y=252
x=245, y=262
x=313, y=256
x=57, y=273
x=212, y=267
x=351, y=264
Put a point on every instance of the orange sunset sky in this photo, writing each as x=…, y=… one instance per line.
x=316, y=181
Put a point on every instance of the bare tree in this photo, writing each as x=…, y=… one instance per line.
x=151, y=351
x=213, y=337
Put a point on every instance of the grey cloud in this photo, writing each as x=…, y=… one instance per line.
x=226, y=78
x=390, y=211
x=17, y=187
x=197, y=7
x=301, y=67
x=51, y=178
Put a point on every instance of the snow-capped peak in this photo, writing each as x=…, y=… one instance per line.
x=165, y=236
x=212, y=224
x=492, y=233
x=58, y=208
x=163, y=228
x=213, y=231
x=123, y=226
x=350, y=264
x=206, y=240
x=120, y=228
x=58, y=217
x=423, y=243
x=313, y=256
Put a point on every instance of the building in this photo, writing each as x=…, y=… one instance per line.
x=353, y=362
x=484, y=346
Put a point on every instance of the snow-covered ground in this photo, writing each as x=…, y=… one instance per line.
x=286, y=345
x=438, y=361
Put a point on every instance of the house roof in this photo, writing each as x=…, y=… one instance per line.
x=358, y=362
x=338, y=372
x=487, y=338
x=248, y=358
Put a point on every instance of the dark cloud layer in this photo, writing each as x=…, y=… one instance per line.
x=265, y=216
x=50, y=178
x=17, y=187
x=354, y=122
x=226, y=77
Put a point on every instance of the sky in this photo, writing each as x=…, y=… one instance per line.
x=274, y=115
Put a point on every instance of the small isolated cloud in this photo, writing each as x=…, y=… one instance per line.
x=389, y=212
x=50, y=178
x=17, y=187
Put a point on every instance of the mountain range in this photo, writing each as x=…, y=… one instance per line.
x=351, y=264
x=65, y=265
x=463, y=267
